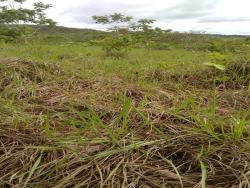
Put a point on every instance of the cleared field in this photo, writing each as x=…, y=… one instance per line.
x=72, y=117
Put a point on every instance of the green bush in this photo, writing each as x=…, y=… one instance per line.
x=16, y=33
x=9, y=34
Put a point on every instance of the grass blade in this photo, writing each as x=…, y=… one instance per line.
x=33, y=169
x=203, y=175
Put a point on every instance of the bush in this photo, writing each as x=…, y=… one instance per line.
x=9, y=34
x=16, y=33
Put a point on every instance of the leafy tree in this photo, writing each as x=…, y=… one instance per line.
x=119, y=41
x=144, y=25
x=125, y=32
x=144, y=32
x=13, y=14
x=116, y=21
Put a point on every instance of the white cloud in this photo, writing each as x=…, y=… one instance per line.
x=213, y=16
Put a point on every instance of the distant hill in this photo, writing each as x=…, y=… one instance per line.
x=85, y=34
x=59, y=33
x=164, y=41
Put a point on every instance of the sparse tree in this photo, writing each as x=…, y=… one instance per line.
x=144, y=25
x=116, y=21
x=143, y=32
x=125, y=32
x=118, y=42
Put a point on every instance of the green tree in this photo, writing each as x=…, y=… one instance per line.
x=125, y=32
x=116, y=21
x=119, y=41
x=12, y=15
x=144, y=33
x=144, y=25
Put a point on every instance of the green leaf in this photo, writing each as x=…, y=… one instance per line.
x=215, y=65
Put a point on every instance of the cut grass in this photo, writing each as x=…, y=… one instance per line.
x=118, y=123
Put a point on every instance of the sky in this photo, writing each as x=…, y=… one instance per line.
x=211, y=16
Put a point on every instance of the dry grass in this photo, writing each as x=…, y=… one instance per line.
x=60, y=130
x=165, y=162
x=235, y=76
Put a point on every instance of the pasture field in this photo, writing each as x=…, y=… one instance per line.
x=175, y=116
